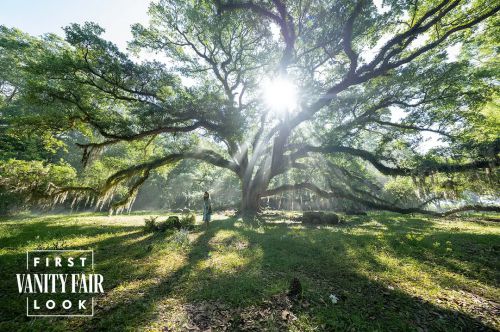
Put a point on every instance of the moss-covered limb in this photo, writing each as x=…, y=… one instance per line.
x=378, y=204
x=485, y=208
x=208, y=156
x=187, y=122
x=338, y=193
x=60, y=190
x=56, y=195
x=133, y=177
x=126, y=202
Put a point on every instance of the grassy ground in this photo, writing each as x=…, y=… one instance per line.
x=390, y=273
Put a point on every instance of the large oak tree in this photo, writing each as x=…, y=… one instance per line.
x=353, y=64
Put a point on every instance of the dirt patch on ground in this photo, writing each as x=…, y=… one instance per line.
x=213, y=316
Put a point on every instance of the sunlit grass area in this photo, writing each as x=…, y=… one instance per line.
x=389, y=272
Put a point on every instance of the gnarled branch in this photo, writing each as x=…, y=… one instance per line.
x=339, y=193
x=424, y=169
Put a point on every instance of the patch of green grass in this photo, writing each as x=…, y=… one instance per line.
x=390, y=273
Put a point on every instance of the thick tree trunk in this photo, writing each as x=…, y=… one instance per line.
x=251, y=193
x=250, y=203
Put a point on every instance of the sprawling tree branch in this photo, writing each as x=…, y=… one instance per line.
x=137, y=175
x=485, y=208
x=423, y=169
x=411, y=127
x=339, y=193
x=369, y=71
x=208, y=156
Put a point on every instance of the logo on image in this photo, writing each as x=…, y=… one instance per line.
x=60, y=283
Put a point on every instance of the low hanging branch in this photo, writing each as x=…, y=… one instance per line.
x=137, y=174
x=56, y=195
x=487, y=208
x=339, y=193
x=127, y=202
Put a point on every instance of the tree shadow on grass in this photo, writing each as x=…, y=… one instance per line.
x=49, y=229
x=324, y=262
x=243, y=267
x=116, y=254
x=394, y=222
x=133, y=312
x=473, y=255
x=347, y=263
x=420, y=239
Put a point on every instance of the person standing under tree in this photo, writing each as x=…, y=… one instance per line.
x=207, y=208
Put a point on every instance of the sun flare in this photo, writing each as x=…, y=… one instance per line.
x=280, y=94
